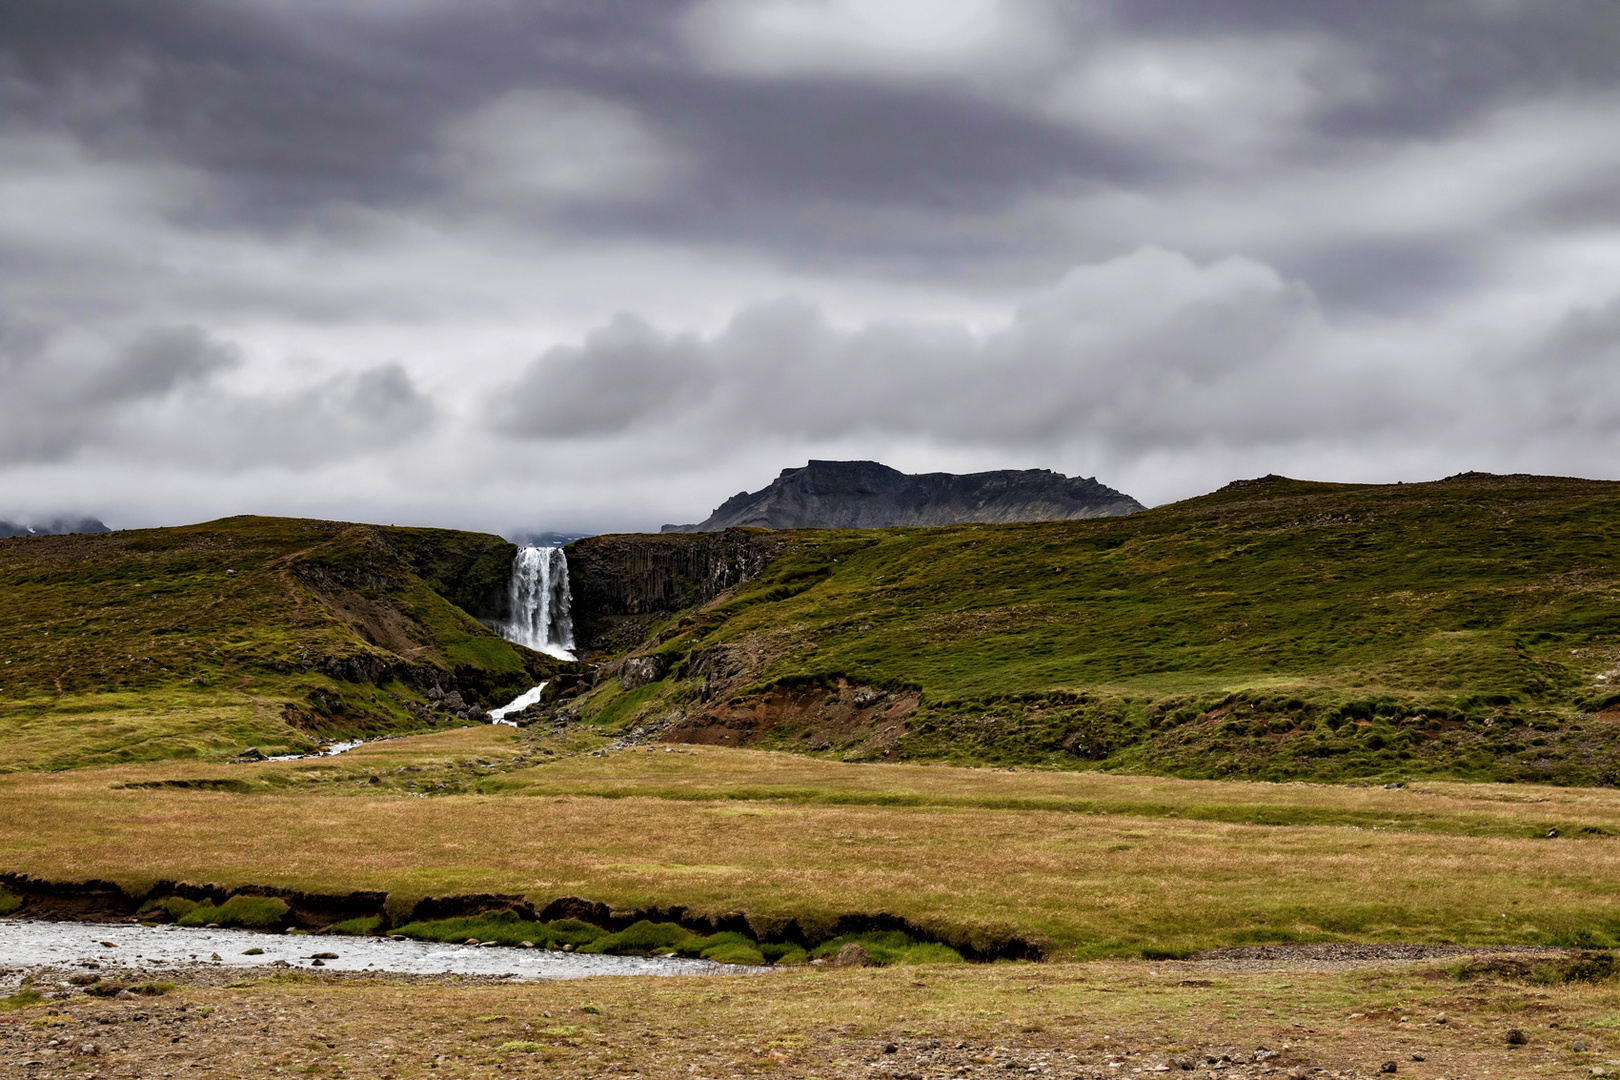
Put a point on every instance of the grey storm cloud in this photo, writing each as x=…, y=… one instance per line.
x=444, y=254
x=158, y=397
x=1147, y=350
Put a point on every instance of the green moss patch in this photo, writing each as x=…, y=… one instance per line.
x=9, y=902
x=175, y=907
x=503, y=928
x=890, y=947
x=360, y=927
x=246, y=912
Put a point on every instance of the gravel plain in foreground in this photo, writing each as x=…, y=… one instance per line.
x=1320, y=1018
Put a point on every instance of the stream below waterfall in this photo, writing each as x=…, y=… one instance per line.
x=34, y=943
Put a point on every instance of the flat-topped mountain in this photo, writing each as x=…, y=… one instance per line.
x=869, y=495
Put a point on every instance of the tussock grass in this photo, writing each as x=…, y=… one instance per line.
x=25, y=996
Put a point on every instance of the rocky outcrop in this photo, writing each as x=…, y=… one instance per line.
x=867, y=495
x=622, y=584
x=58, y=527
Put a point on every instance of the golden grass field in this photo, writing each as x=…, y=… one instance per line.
x=1097, y=864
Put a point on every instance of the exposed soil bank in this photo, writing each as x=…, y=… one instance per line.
x=106, y=901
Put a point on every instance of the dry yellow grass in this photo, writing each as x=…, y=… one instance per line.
x=1094, y=862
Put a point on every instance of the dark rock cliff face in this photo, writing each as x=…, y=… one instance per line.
x=621, y=584
x=59, y=527
x=471, y=570
x=867, y=495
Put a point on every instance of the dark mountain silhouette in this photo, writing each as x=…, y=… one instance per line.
x=868, y=495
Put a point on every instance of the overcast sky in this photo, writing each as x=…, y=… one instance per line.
x=585, y=266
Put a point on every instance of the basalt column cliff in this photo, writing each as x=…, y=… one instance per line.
x=623, y=584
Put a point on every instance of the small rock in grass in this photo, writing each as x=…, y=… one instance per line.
x=1515, y=1037
x=1440, y=1019
x=890, y=1048
x=853, y=955
x=526, y=944
x=1389, y=1067
x=1417, y=1057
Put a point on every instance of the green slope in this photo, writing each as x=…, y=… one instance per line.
x=1275, y=628
x=249, y=630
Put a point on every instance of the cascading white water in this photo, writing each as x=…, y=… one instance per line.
x=539, y=602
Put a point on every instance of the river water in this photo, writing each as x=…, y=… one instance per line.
x=27, y=943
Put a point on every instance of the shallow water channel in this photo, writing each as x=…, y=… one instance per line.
x=27, y=943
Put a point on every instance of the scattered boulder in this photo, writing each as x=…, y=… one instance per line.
x=453, y=701
x=638, y=671
x=252, y=753
x=853, y=955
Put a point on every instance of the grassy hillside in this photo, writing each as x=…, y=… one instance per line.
x=1275, y=628
x=249, y=630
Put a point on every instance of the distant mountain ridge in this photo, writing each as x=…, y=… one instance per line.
x=53, y=528
x=870, y=495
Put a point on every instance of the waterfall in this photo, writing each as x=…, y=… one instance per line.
x=538, y=598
